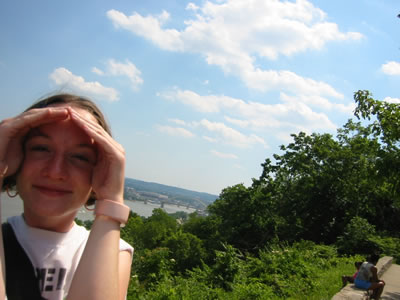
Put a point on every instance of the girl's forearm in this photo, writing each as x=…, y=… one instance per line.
x=97, y=274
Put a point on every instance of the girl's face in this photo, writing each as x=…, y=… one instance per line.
x=55, y=176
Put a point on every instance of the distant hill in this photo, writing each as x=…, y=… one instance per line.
x=142, y=190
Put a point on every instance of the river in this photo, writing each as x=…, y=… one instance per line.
x=13, y=206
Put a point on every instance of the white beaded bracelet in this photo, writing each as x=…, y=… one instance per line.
x=112, y=209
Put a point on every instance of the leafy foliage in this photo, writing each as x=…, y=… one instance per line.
x=153, y=265
x=185, y=249
x=319, y=184
x=321, y=202
x=279, y=272
x=356, y=237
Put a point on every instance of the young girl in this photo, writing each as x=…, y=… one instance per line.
x=58, y=156
x=351, y=279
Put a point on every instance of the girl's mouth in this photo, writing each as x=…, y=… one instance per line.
x=51, y=191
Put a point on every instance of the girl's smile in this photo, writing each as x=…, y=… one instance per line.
x=51, y=191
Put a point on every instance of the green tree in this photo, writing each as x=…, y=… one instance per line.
x=207, y=230
x=132, y=229
x=319, y=183
x=386, y=125
x=156, y=229
x=185, y=249
x=226, y=267
x=154, y=265
x=356, y=237
x=387, y=116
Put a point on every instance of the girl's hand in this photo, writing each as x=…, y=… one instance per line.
x=109, y=172
x=3, y=169
x=13, y=131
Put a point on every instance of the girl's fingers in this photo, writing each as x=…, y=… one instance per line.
x=30, y=119
x=13, y=130
x=96, y=132
x=19, y=125
x=108, y=175
x=36, y=117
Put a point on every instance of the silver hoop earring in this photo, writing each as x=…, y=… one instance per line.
x=11, y=195
x=88, y=208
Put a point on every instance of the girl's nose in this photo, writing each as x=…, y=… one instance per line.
x=56, y=168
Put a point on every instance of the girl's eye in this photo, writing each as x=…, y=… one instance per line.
x=81, y=157
x=39, y=148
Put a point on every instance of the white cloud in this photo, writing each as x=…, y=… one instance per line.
x=231, y=136
x=293, y=113
x=210, y=139
x=65, y=78
x=391, y=68
x=392, y=100
x=97, y=71
x=116, y=68
x=319, y=102
x=192, y=6
x=223, y=155
x=148, y=27
x=237, y=122
x=175, y=131
x=290, y=115
x=288, y=81
x=207, y=104
x=128, y=69
x=233, y=34
x=284, y=137
x=178, y=122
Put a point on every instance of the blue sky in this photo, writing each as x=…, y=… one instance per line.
x=200, y=93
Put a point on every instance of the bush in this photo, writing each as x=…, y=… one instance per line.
x=284, y=269
x=186, y=249
x=303, y=270
x=357, y=238
x=387, y=246
x=152, y=266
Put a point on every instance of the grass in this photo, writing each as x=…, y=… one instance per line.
x=329, y=282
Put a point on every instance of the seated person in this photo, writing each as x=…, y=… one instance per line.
x=347, y=278
x=367, y=277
